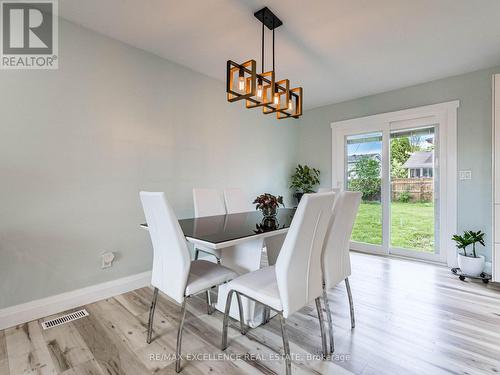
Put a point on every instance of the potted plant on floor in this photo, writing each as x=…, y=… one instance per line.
x=470, y=264
x=304, y=180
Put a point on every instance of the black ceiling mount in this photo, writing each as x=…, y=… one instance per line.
x=268, y=18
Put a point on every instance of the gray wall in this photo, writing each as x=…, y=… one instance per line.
x=474, y=136
x=78, y=144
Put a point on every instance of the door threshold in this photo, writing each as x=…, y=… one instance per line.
x=402, y=257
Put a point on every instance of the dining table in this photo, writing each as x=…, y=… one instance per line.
x=242, y=238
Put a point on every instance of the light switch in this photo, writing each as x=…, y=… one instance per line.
x=465, y=175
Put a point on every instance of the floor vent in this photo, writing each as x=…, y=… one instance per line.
x=65, y=319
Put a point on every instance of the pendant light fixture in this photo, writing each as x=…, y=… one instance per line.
x=261, y=89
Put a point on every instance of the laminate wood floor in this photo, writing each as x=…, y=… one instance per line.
x=411, y=318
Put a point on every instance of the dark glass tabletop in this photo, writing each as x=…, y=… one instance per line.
x=223, y=228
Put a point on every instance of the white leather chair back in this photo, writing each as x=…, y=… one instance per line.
x=171, y=258
x=208, y=202
x=298, y=267
x=324, y=190
x=236, y=201
x=336, y=262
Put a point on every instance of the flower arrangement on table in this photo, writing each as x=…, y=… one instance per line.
x=268, y=204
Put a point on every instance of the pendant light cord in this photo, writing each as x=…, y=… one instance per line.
x=273, y=50
x=262, y=54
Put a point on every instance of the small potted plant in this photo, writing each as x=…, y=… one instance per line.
x=470, y=264
x=268, y=204
x=304, y=180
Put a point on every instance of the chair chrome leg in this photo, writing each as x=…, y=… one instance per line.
x=286, y=345
x=329, y=319
x=225, y=321
x=179, y=338
x=321, y=326
x=209, y=302
x=151, y=315
x=240, y=308
x=266, y=315
x=351, y=304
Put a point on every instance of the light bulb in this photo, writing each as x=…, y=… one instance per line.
x=241, y=83
x=276, y=99
x=290, y=105
x=259, y=91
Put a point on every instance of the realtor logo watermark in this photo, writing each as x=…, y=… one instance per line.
x=29, y=34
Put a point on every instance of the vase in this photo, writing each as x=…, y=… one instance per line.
x=269, y=212
x=267, y=224
x=471, y=266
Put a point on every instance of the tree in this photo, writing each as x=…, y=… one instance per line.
x=400, y=149
x=397, y=170
x=366, y=178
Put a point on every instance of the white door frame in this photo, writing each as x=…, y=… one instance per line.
x=443, y=114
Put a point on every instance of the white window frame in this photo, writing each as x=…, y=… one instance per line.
x=443, y=114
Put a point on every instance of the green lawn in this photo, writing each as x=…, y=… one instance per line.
x=412, y=225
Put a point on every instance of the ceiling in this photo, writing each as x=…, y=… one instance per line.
x=335, y=49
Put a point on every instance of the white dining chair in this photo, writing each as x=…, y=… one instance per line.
x=296, y=279
x=173, y=271
x=236, y=201
x=207, y=202
x=273, y=256
x=324, y=190
x=336, y=261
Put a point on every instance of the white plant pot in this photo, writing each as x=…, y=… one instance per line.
x=471, y=266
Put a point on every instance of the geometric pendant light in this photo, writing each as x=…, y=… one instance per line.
x=262, y=89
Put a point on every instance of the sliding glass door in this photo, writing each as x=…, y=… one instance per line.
x=413, y=176
x=395, y=165
x=363, y=172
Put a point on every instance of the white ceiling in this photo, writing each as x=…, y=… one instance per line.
x=335, y=49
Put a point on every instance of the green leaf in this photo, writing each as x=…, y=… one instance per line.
x=305, y=179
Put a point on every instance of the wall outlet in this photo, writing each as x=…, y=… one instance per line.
x=465, y=175
x=107, y=259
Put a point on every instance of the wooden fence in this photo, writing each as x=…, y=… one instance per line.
x=417, y=189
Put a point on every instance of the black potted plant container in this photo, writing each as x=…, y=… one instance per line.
x=298, y=196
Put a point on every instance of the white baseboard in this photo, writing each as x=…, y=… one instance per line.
x=40, y=308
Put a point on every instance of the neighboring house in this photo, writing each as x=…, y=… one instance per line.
x=420, y=164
